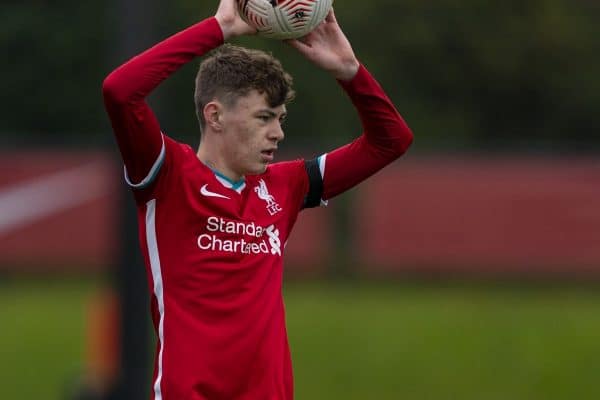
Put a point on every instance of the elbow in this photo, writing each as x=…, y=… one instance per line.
x=400, y=144
x=112, y=91
x=390, y=147
x=110, y=88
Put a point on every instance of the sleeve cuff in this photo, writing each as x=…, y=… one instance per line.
x=153, y=171
x=362, y=76
x=215, y=27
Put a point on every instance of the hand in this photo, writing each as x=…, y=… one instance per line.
x=230, y=21
x=328, y=48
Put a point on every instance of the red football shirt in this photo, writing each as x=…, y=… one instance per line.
x=213, y=248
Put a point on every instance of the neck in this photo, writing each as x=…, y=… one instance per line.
x=214, y=161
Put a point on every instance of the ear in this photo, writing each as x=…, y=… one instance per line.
x=213, y=112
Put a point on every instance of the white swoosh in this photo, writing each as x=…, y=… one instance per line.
x=208, y=193
x=27, y=202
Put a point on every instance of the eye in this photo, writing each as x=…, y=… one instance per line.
x=264, y=118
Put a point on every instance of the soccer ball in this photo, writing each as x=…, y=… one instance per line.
x=283, y=19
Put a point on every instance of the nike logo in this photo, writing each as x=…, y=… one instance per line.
x=205, y=192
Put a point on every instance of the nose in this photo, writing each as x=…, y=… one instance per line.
x=277, y=132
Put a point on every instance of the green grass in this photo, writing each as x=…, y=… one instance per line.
x=398, y=342
x=42, y=336
x=351, y=341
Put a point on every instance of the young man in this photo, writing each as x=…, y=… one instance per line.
x=213, y=223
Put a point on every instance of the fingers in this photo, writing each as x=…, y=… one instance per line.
x=331, y=16
x=298, y=45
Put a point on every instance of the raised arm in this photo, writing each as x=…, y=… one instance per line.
x=385, y=134
x=135, y=126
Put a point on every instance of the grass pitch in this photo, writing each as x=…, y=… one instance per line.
x=42, y=336
x=355, y=341
x=422, y=342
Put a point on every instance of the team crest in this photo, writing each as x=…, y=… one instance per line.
x=263, y=194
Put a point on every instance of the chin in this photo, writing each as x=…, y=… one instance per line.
x=260, y=169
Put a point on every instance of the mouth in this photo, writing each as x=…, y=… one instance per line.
x=268, y=155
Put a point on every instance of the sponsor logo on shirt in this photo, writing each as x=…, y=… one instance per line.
x=263, y=193
x=251, y=238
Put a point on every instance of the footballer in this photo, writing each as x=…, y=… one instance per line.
x=213, y=221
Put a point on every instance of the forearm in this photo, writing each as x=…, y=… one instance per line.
x=135, y=126
x=383, y=125
x=386, y=136
x=135, y=79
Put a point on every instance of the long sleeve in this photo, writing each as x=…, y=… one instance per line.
x=135, y=126
x=385, y=137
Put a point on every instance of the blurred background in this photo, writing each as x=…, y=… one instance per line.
x=469, y=269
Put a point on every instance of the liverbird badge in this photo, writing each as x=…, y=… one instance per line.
x=263, y=194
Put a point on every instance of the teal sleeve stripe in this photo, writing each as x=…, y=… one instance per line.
x=321, y=160
x=153, y=171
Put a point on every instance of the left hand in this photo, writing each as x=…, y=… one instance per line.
x=230, y=21
x=328, y=48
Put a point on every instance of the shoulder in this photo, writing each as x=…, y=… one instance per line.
x=302, y=178
x=177, y=149
x=286, y=169
x=285, y=176
x=174, y=157
x=179, y=156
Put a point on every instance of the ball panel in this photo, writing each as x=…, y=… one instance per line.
x=284, y=19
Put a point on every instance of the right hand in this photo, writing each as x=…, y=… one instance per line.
x=328, y=47
x=230, y=21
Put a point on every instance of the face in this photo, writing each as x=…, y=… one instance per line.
x=251, y=132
